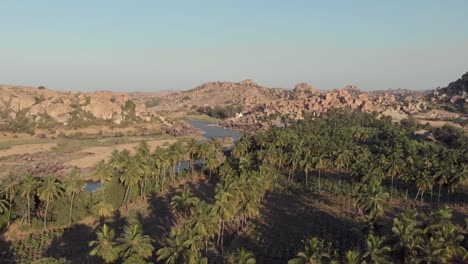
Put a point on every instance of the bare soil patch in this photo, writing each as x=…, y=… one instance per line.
x=95, y=154
x=26, y=149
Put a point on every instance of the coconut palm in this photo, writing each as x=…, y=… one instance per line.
x=119, y=160
x=307, y=164
x=10, y=187
x=133, y=242
x=50, y=188
x=28, y=189
x=175, y=251
x=185, y=202
x=320, y=163
x=223, y=210
x=73, y=184
x=352, y=257
x=243, y=256
x=314, y=251
x=376, y=251
x=203, y=223
x=105, y=246
x=130, y=177
x=192, y=147
x=3, y=203
x=371, y=200
x=102, y=173
x=406, y=235
x=103, y=209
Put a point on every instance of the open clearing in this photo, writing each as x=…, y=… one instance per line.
x=95, y=154
x=26, y=149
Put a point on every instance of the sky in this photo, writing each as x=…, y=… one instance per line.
x=158, y=45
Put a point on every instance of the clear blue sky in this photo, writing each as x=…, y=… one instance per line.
x=155, y=45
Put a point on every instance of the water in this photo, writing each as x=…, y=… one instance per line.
x=92, y=186
x=214, y=132
x=210, y=132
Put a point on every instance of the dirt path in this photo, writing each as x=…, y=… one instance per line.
x=26, y=149
x=95, y=154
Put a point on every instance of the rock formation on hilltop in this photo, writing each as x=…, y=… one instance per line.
x=39, y=105
x=454, y=97
x=245, y=93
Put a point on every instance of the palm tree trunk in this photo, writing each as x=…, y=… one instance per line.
x=71, y=209
x=320, y=187
x=29, y=212
x=307, y=175
x=219, y=232
x=391, y=189
x=102, y=187
x=417, y=194
x=438, y=196
x=45, y=213
x=222, y=236
x=9, y=210
x=125, y=198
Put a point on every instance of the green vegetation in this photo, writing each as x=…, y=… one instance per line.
x=20, y=124
x=221, y=112
x=199, y=117
x=348, y=188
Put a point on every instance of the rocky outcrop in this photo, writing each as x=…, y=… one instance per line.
x=61, y=106
x=455, y=94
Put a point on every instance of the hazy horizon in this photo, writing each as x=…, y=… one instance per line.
x=150, y=46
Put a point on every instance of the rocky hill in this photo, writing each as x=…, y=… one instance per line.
x=261, y=106
x=43, y=107
x=245, y=93
x=454, y=97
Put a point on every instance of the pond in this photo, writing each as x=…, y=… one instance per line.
x=91, y=186
x=210, y=130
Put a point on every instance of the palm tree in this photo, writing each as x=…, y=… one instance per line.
x=192, y=147
x=371, y=200
x=243, y=256
x=394, y=169
x=314, y=251
x=102, y=173
x=50, y=188
x=203, y=223
x=352, y=257
x=3, y=203
x=375, y=251
x=407, y=235
x=320, y=163
x=103, y=209
x=143, y=157
x=307, y=165
x=175, y=251
x=223, y=210
x=74, y=184
x=130, y=178
x=105, y=246
x=28, y=188
x=185, y=202
x=133, y=242
x=10, y=187
x=119, y=160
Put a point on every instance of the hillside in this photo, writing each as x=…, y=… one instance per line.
x=24, y=108
x=454, y=97
x=245, y=93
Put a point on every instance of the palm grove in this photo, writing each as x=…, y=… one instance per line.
x=384, y=170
